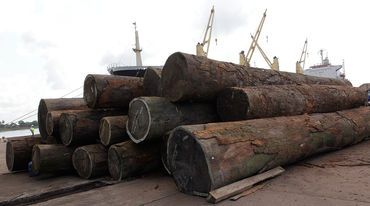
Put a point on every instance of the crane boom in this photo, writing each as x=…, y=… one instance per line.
x=207, y=36
x=302, y=59
x=137, y=48
x=275, y=64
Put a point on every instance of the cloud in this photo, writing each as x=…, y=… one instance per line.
x=32, y=43
x=124, y=58
x=53, y=76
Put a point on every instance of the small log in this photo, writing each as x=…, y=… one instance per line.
x=51, y=158
x=235, y=188
x=208, y=156
x=48, y=105
x=127, y=159
x=19, y=151
x=152, y=82
x=285, y=100
x=90, y=161
x=111, y=91
x=52, y=121
x=190, y=77
x=82, y=127
x=151, y=117
x=112, y=130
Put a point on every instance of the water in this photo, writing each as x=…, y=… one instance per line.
x=16, y=133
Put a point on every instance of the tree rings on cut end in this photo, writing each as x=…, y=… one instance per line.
x=139, y=123
x=66, y=129
x=90, y=91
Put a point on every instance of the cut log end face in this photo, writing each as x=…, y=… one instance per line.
x=82, y=162
x=188, y=163
x=139, y=121
x=105, y=132
x=49, y=124
x=232, y=105
x=41, y=115
x=114, y=164
x=90, y=91
x=36, y=159
x=9, y=156
x=66, y=129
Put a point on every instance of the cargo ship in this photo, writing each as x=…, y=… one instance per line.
x=326, y=69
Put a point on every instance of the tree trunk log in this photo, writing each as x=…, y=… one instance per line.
x=52, y=121
x=205, y=157
x=91, y=161
x=152, y=82
x=285, y=100
x=82, y=127
x=111, y=91
x=19, y=151
x=53, y=140
x=127, y=159
x=190, y=77
x=151, y=117
x=48, y=105
x=51, y=158
x=113, y=130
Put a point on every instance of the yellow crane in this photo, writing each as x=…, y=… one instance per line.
x=207, y=36
x=245, y=60
x=275, y=64
x=299, y=65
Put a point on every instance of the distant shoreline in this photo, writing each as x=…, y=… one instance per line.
x=14, y=129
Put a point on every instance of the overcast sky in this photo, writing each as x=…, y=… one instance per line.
x=47, y=47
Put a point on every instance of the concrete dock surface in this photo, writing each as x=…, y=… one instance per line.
x=336, y=178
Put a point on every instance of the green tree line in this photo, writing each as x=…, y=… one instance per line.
x=19, y=125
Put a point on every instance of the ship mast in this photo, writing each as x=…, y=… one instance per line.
x=137, y=49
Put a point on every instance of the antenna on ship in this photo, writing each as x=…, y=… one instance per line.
x=137, y=48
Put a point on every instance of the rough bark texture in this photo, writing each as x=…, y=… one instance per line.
x=113, y=130
x=82, y=127
x=190, y=77
x=365, y=87
x=128, y=159
x=152, y=82
x=52, y=121
x=51, y=158
x=91, y=161
x=48, y=105
x=151, y=117
x=111, y=91
x=205, y=157
x=19, y=151
x=285, y=100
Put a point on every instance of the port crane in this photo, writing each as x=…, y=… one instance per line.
x=245, y=59
x=275, y=64
x=137, y=48
x=207, y=36
x=299, y=65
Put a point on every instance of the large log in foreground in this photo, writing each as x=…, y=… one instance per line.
x=48, y=105
x=90, y=161
x=82, y=127
x=190, y=77
x=285, y=100
x=19, y=151
x=128, y=159
x=151, y=117
x=112, y=130
x=51, y=158
x=111, y=91
x=205, y=157
x=152, y=82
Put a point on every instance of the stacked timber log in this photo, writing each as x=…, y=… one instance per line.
x=90, y=161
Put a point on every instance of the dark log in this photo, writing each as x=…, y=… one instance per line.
x=127, y=159
x=52, y=121
x=51, y=158
x=111, y=91
x=90, y=161
x=208, y=156
x=285, y=100
x=149, y=118
x=164, y=158
x=53, y=140
x=82, y=127
x=190, y=77
x=19, y=151
x=113, y=130
x=48, y=105
x=152, y=82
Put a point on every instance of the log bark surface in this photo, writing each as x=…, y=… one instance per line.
x=90, y=161
x=205, y=157
x=285, y=100
x=152, y=82
x=19, y=151
x=111, y=91
x=82, y=127
x=48, y=105
x=128, y=159
x=149, y=118
x=51, y=158
x=112, y=130
x=190, y=77
x=52, y=121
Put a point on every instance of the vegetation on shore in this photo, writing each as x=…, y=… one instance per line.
x=17, y=126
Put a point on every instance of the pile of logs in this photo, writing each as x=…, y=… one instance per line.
x=209, y=123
